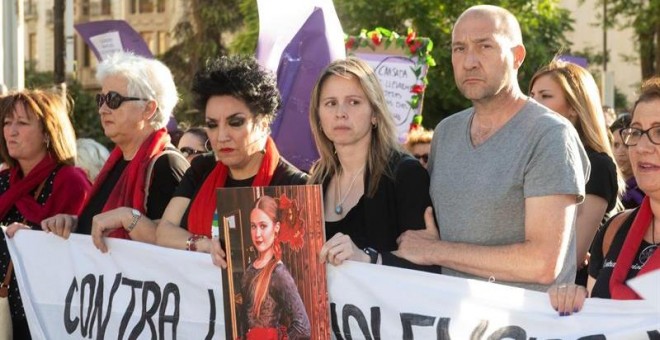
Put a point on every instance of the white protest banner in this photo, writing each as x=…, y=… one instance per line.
x=371, y=302
x=71, y=291
x=648, y=287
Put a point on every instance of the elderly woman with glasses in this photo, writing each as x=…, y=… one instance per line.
x=629, y=240
x=136, y=100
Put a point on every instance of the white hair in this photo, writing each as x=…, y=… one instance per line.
x=146, y=78
x=91, y=156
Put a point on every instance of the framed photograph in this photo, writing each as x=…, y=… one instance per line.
x=274, y=283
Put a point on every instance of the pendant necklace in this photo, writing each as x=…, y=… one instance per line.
x=339, y=209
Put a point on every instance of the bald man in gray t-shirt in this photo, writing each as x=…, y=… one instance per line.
x=506, y=174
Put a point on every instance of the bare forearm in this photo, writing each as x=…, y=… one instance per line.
x=520, y=262
x=144, y=231
x=171, y=236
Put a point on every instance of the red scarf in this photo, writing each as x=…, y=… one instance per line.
x=129, y=191
x=618, y=288
x=20, y=190
x=203, y=205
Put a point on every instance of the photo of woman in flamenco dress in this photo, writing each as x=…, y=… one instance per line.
x=271, y=304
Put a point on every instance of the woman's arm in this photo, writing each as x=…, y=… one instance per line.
x=169, y=233
x=139, y=227
x=590, y=213
x=286, y=292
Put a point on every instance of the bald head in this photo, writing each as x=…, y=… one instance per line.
x=506, y=25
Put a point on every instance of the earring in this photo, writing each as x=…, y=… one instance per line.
x=47, y=141
x=374, y=126
x=207, y=145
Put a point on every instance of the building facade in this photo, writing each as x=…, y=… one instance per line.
x=623, y=68
x=153, y=19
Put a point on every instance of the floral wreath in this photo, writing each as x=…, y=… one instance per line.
x=414, y=47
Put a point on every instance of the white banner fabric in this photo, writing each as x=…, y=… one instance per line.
x=164, y=293
x=148, y=292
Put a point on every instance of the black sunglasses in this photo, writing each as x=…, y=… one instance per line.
x=423, y=157
x=113, y=99
x=187, y=151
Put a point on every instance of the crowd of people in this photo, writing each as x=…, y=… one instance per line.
x=519, y=189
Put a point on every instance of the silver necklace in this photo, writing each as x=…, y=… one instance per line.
x=339, y=209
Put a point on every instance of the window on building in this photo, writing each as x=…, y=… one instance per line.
x=146, y=6
x=30, y=8
x=133, y=6
x=160, y=6
x=106, y=7
x=32, y=47
x=87, y=56
x=148, y=38
x=84, y=6
x=163, y=42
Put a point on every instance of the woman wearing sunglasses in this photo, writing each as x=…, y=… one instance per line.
x=627, y=245
x=239, y=100
x=136, y=100
x=193, y=143
x=39, y=146
x=418, y=143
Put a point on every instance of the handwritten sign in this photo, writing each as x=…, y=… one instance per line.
x=400, y=63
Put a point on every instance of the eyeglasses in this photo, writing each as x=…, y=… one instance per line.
x=186, y=151
x=631, y=135
x=423, y=157
x=113, y=99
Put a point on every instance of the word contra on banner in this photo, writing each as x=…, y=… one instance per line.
x=156, y=305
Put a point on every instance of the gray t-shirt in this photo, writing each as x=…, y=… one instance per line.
x=479, y=192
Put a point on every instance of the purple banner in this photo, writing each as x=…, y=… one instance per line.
x=110, y=36
x=575, y=60
x=297, y=47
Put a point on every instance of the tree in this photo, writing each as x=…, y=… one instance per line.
x=203, y=33
x=543, y=25
x=644, y=17
x=84, y=116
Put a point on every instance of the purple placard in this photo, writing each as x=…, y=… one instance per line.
x=110, y=36
x=575, y=60
x=298, y=57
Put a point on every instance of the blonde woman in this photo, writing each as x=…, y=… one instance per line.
x=373, y=190
x=571, y=91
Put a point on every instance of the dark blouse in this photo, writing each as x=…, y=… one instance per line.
x=59, y=174
x=201, y=167
x=633, y=195
x=398, y=205
x=167, y=172
x=602, y=179
x=282, y=306
x=601, y=267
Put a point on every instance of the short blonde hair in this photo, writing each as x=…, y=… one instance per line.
x=418, y=136
x=91, y=156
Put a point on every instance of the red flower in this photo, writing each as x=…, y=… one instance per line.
x=376, y=38
x=411, y=38
x=417, y=89
x=414, y=47
x=350, y=42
